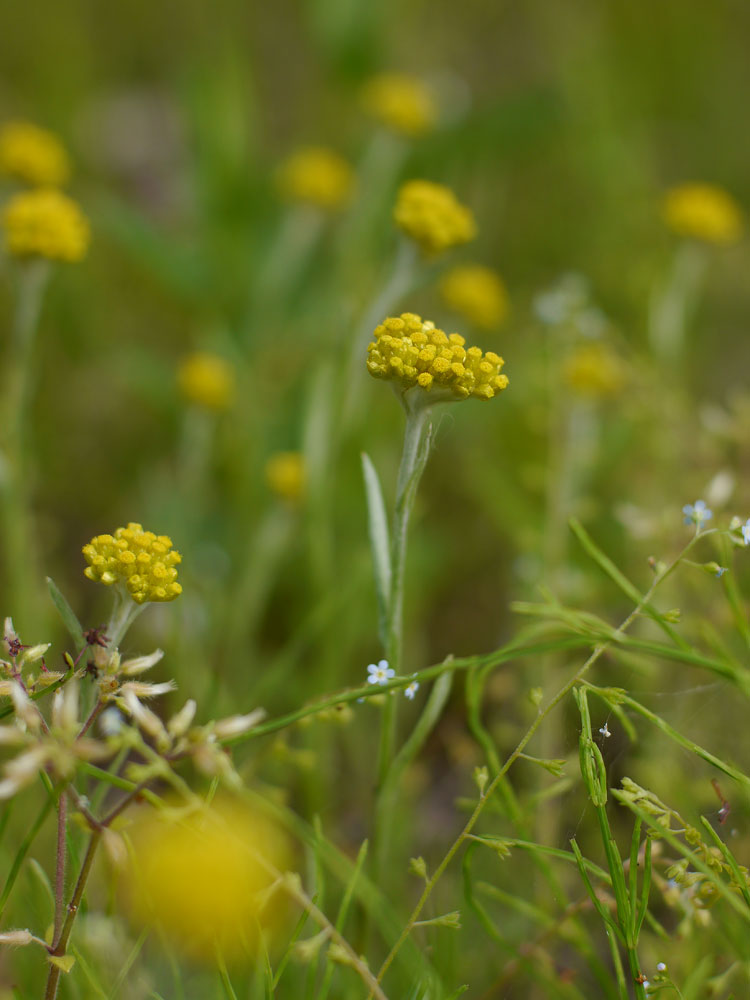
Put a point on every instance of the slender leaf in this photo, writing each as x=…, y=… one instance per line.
x=379, y=540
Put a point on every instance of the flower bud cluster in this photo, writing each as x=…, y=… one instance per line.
x=45, y=223
x=142, y=561
x=433, y=217
x=412, y=353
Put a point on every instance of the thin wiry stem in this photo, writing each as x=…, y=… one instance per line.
x=524, y=741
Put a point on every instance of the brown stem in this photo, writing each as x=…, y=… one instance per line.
x=62, y=823
x=59, y=950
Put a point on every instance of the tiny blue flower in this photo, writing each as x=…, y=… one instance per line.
x=697, y=513
x=411, y=690
x=746, y=532
x=380, y=673
x=722, y=570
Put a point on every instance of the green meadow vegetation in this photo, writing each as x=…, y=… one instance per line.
x=374, y=501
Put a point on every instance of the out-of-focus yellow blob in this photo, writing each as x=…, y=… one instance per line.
x=318, y=176
x=45, y=223
x=202, y=878
x=703, y=212
x=206, y=380
x=595, y=371
x=285, y=475
x=478, y=293
x=401, y=102
x=432, y=216
x=33, y=155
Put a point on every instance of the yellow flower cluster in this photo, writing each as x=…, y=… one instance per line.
x=595, y=371
x=285, y=475
x=477, y=292
x=703, y=212
x=318, y=176
x=206, y=380
x=414, y=353
x=433, y=216
x=400, y=102
x=142, y=561
x=201, y=879
x=33, y=155
x=45, y=223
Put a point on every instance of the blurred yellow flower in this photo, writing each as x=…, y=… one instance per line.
x=202, y=878
x=142, y=561
x=285, y=475
x=595, y=371
x=33, y=155
x=413, y=353
x=433, y=216
x=206, y=380
x=318, y=176
x=45, y=223
x=401, y=102
x=703, y=212
x=477, y=292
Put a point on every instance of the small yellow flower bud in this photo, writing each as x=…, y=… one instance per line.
x=400, y=102
x=144, y=562
x=318, y=176
x=33, y=155
x=433, y=217
x=206, y=380
x=703, y=212
x=285, y=475
x=595, y=371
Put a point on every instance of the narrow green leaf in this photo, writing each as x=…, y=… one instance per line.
x=598, y=905
x=69, y=619
x=426, y=723
x=617, y=577
x=22, y=851
x=645, y=889
x=379, y=540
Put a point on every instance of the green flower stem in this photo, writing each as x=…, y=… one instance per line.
x=15, y=469
x=124, y=613
x=674, y=304
x=417, y=439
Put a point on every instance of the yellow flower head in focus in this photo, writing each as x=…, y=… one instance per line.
x=45, y=223
x=206, y=380
x=201, y=878
x=285, y=475
x=401, y=102
x=703, y=212
x=413, y=353
x=595, y=371
x=33, y=155
x=318, y=176
x=140, y=560
x=477, y=292
x=433, y=216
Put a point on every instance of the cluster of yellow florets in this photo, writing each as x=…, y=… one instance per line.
x=45, y=223
x=477, y=292
x=433, y=216
x=143, y=561
x=206, y=380
x=285, y=475
x=414, y=353
x=318, y=176
x=400, y=102
x=33, y=155
x=595, y=371
x=703, y=212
